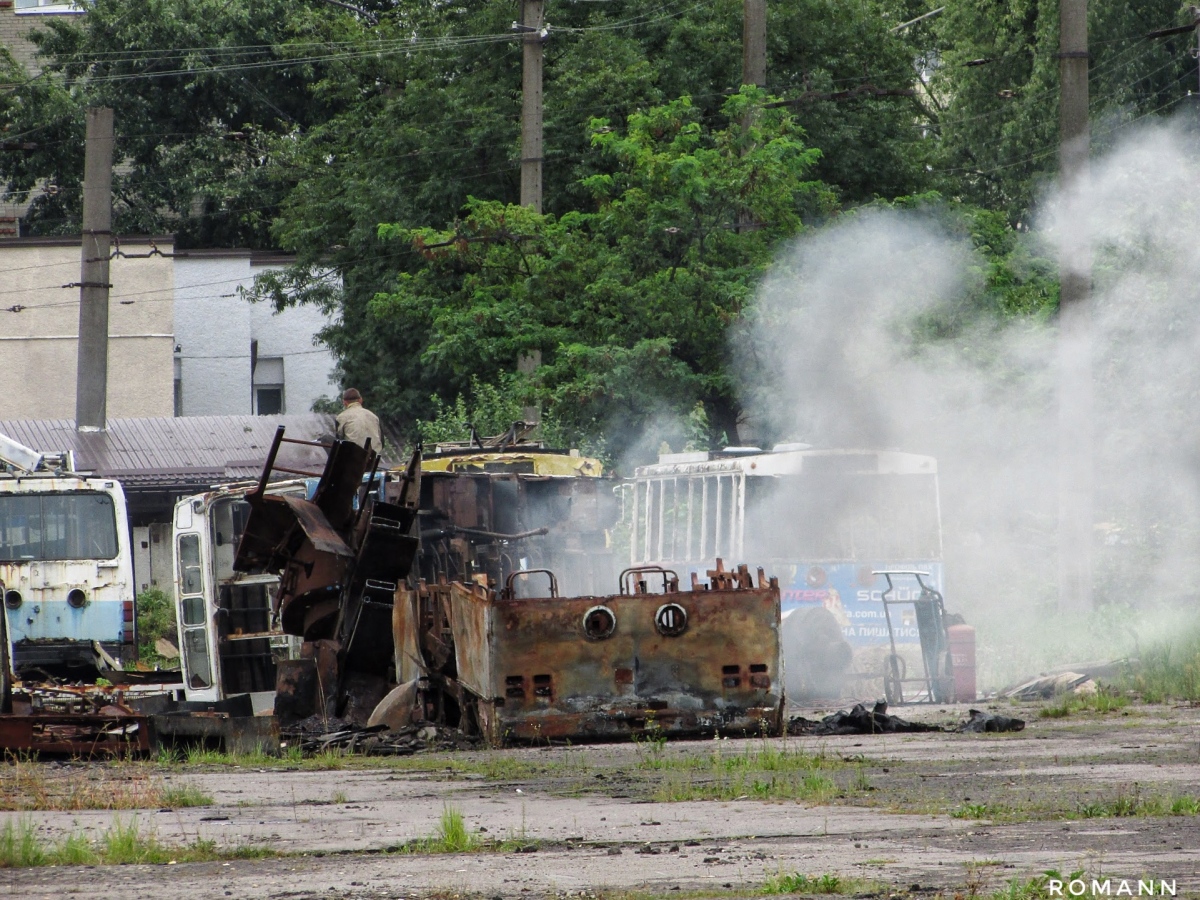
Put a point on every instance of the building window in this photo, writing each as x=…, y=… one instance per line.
x=50, y=6
x=268, y=400
x=268, y=386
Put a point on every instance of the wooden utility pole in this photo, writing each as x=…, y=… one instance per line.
x=754, y=42
x=91, y=378
x=531, y=103
x=1075, y=427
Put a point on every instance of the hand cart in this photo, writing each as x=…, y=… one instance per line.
x=938, y=680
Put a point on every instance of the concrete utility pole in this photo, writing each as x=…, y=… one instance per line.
x=91, y=384
x=754, y=42
x=1075, y=428
x=531, y=103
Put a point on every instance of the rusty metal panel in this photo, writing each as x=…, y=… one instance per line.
x=81, y=734
x=470, y=622
x=683, y=662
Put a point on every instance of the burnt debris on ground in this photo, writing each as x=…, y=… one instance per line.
x=877, y=720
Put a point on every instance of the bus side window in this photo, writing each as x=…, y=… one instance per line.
x=191, y=575
x=191, y=608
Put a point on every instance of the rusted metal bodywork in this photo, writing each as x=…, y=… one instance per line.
x=76, y=721
x=341, y=557
x=675, y=662
x=493, y=523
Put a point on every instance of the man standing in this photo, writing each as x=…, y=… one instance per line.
x=354, y=423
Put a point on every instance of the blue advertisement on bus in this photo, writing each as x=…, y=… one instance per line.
x=854, y=595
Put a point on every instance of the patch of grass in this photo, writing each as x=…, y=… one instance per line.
x=451, y=836
x=1168, y=670
x=339, y=797
x=1133, y=803
x=798, y=883
x=1104, y=700
x=765, y=771
x=972, y=811
x=179, y=796
x=123, y=843
x=32, y=786
x=20, y=845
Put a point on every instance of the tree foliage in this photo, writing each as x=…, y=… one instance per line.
x=994, y=102
x=630, y=305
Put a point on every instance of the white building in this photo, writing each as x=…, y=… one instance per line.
x=234, y=357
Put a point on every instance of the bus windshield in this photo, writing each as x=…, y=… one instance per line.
x=842, y=516
x=62, y=526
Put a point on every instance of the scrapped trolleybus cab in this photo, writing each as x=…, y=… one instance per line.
x=229, y=635
x=66, y=564
x=824, y=522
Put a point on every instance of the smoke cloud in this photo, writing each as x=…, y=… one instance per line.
x=870, y=334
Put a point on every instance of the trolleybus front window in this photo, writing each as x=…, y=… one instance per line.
x=76, y=525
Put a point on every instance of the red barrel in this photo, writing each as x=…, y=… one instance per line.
x=962, y=655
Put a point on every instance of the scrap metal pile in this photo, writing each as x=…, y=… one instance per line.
x=341, y=556
x=508, y=661
x=75, y=720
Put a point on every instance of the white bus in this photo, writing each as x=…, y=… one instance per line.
x=66, y=564
x=822, y=521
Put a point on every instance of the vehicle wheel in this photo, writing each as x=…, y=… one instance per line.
x=893, y=677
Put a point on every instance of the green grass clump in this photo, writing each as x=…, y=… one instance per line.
x=1168, y=671
x=798, y=883
x=123, y=843
x=179, y=796
x=451, y=836
x=972, y=811
x=1134, y=803
x=766, y=771
x=1104, y=700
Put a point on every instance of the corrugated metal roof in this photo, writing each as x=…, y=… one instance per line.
x=200, y=450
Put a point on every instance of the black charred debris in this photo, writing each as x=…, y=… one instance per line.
x=876, y=720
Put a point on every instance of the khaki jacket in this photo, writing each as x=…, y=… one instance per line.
x=354, y=423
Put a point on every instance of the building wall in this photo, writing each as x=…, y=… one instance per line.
x=215, y=330
x=39, y=324
x=18, y=17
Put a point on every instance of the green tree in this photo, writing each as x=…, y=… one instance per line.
x=434, y=126
x=632, y=305
x=995, y=89
x=200, y=91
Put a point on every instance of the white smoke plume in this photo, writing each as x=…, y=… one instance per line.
x=845, y=353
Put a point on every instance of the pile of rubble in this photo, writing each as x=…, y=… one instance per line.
x=378, y=740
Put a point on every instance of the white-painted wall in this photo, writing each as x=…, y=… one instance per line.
x=214, y=328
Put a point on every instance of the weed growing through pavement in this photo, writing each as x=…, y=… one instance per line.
x=799, y=883
x=122, y=843
x=1125, y=804
x=29, y=785
x=451, y=836
x=762, y=771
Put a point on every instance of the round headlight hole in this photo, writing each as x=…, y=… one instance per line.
x=599, y=622
x=13, y=599
x=671, y=620
x=77, y=599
